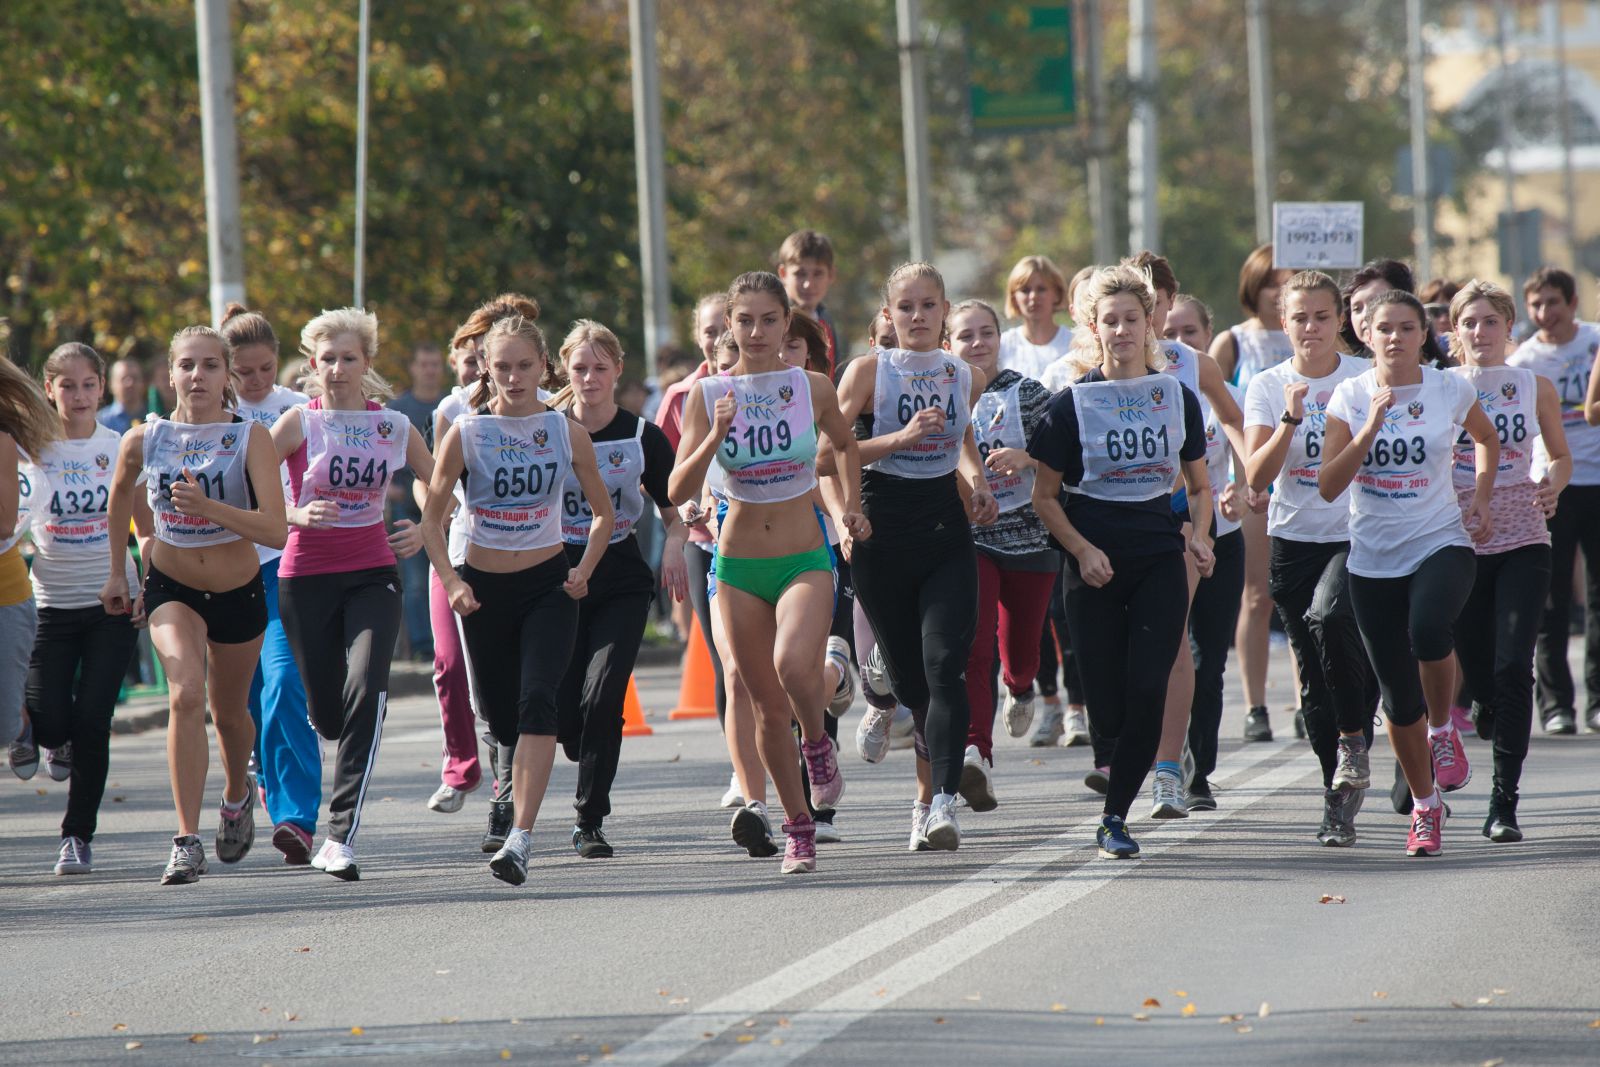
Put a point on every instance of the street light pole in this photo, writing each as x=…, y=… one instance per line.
x=914, y=127
x=364, y=38
x=650, y=179
x=1259, y=49
x=220, y=149
x=1102, y=223
x=1144, y=216
x=1421, y=193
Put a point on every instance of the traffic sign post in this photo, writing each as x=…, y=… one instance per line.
x=1320, y=236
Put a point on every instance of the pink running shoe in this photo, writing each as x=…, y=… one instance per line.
x=800, y=854
x=293, y=842
x=1427, y=829
x=1461, y=717
x=822, y=767
x=1450, y=765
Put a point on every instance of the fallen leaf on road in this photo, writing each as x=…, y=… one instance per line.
x=448, y=1019
x=1493, y=1063
x=777, y=1041
x=291, y=1016
x=882, y=992
x=1058, y=1007
x=262, y=1039
x=1500, y=992
x=973, y=997
x=1151, y=1002
x=356, y=1031
x=783, y=1023
x=73, y=1014
x=745, y=1039
x=1485, y=1000
x=605, y=1050
x=516, y=1022
x=1328, y=898
x=1190, y=1009
x=445, y=971
x=663, y=992
x=708, y=1035
x=304, y=948
x=1457, y=1004
x=1380, y=994
x=938, y=1020
x=505, y=1054
x=119, y=1027
x=1037, y=762
x=42, y=792
x=1141, y=1017
x=676, y=756
x=678, y=1000
x=118, y=800
x=1180, y=992
x=1243, y=1029
x=198, y=1039
x=1264, y=1011
x=131, y=1045
x=1595, y=1025
x=1359, y=1019
x=748, y=1023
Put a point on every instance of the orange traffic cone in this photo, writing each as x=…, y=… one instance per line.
x=697, y=692
x=633, y=724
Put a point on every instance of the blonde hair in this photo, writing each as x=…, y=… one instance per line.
x=975, y=305
x=1026, y=268
x=910, y=272
x=521, y=328
x=1087, y=351
x=230, y=399
x=25, y=413
x=596, y=336
x=330, y=324
x=1477, y=289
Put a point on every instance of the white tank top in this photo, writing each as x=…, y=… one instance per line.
x=996, y=424
x=907, y=383
x=1219, y=459
x=770, y=451
x=351, y=457
x=453, y=407
x=1568, y=367
x=214, y=453
x=1255, y=351
x=622, y=469
x=1131, y=433
x=267, y=412
x=71, y=492
x=28, y=490
x=1510, y=397
x=1182, y=364
x=516, y=469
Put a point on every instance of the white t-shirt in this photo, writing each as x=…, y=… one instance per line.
x=1297, y=511
x=1403, y=503
x=1568, y=367
x=1028, y=359
x=71, y=483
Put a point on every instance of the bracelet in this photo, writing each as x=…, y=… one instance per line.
x=1290, y=420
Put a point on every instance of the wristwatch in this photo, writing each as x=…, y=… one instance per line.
x=1290, y=420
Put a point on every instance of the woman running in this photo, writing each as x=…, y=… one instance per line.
x=203, y=596
x=518, y=590
x=1285, y=427
x=1118, y=438
x=338, y=584
x=1391, y=430
x=28, y=424
x=774, y=572
x=1499, y=623
x=917, y=579
x=1036, y=292
x=81, y=654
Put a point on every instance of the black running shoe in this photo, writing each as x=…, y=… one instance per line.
x=494, y=838
x=1483, y=721
x=1501, y=825
x=591, y=844
x=1199, y=796
x=1256, y=725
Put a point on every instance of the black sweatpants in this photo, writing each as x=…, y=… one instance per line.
x=342, y=629
x=699, y=562
x=1211, y=622
x=1055, y=637
x=1409, y=619
x=1126, y=635
x=1574, y=527
x=589, y=702
x=1494, y=641
x=923, y=607
x=1310, y=586
x=80, y=656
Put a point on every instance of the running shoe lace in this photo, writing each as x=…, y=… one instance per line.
x=817, y=761
x=1444, y=754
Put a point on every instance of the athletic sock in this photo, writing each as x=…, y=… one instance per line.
x=1442, y=731
x=234, y=807
x=1429, y=801
x=1168, y=766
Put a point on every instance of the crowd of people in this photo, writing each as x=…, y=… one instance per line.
x=1060, y=527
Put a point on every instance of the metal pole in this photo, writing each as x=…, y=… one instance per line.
x=914, y=126
x=1568, y=187
x=1101, y=220
x=1259, y=50
x=1502, y=15
x=365, y=38
x=650, y=176
x=220, y=150
x=1144, y=218
x=1421, y=194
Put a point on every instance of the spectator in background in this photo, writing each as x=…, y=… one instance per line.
x=128, y=406
x=1436, y=297
x=670, y=366
x=631, y=395
x=805, y=265
x=417, y=404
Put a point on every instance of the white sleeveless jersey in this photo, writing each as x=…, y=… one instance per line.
x=1510, y=397
x=28, y=489
x=996, y=424
x=214, y=454
x=907, y=383
x=769, y=453
x=516, y=469
x=1131, y=433
x=267, y=411
x=1219, y=461
x=1568, y=367
x=1183, y=364
x=351, y=457
x=453, y=407
x=1403, y=503
x=622, y=469
x=1255, y=351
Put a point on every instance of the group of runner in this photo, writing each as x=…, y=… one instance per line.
x=949, y=517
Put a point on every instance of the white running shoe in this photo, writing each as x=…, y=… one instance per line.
x=75, y=856
x=338, y=859
x=1076, y=729
x=919, y=828
x=828, y=833
x=733, y=798
x=447, y=799
x=875, y=674
x=943, y=832
x=844, y=694
x=1017, y=711
x=976, y=788
x=1049, y=729
x=1167, y=795
x=872, y=734
x=903, y=730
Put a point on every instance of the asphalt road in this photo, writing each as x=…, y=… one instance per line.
x=1021, y=948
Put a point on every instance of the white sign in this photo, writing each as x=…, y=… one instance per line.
x=1319, y=236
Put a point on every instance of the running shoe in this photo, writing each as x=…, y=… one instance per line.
x=25, y=754
x=293, y=842
x=752, y=830
x=942, y=831
x=875, y=675
x=1257, y=727
x=1354, y=770
x=510, y=864
x=447, y=799
x=1049, y=729
x=1334, y=831
x=1198, y=796
x=1166, y=793
x=975, y=787
x=1098, y=779
x=1460, y=717
x=338, y=859
x=58, y=761
x=1450, y=767
x=188, y=861
x=844, y=694
x=1427, y=828
x=827, y=832
x=800, y=852
x=74, y=858
x=903, y=730
x=1483, y=721
x=591, y=843
x=500, y=813
x=1017, y=711
x=1563, y=721
x=236, y=830
x=1501, y=825
x=734, y=797
x=1300, y=723
x=1076, y=728
x=822, y=768
x=1114, y=840
x=872, y=734
x=1593, y=721
x=919, y=828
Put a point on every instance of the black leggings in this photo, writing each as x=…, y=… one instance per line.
x=342, y=629
x=1310, y=585
x=589, y=705
x=1127, y=633
x=923, y=607
x=1494, y=639
x=1575, y=527
x=1211, y=621
x=1055, y=637
x=519, y=644
x=1410, y=619
x=699, y=561
x=79, y=658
